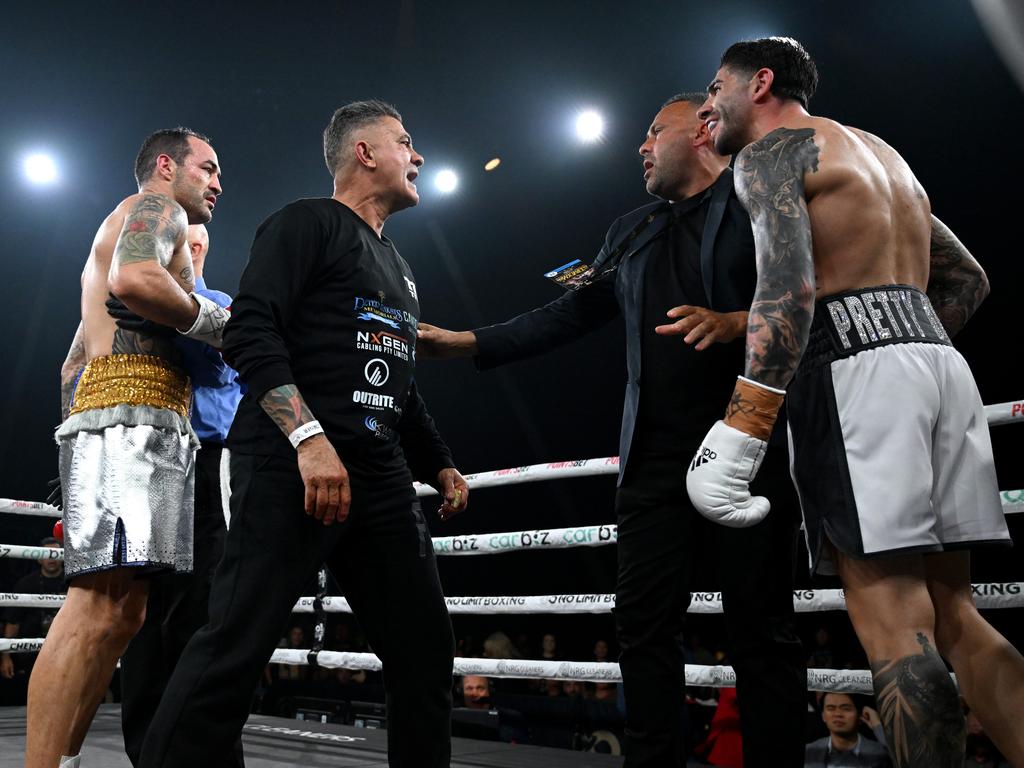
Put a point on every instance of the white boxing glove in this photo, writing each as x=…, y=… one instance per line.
x=718, y=480
x=209, y=325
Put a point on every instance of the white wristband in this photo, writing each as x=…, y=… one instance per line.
x=307, y=430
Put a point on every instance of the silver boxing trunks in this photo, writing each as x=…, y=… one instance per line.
x=890, y=448
x=127, y=468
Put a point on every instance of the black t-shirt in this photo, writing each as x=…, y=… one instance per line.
x=327, y=305
x=682, y=391
x=35, y=622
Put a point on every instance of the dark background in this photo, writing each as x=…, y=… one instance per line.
x=473, y=80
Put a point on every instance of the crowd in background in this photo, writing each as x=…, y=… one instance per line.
x=840, y=728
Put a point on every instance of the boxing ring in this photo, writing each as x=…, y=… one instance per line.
x=1005, y=595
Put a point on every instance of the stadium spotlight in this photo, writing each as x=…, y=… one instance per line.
x=589, y=126
x=446, y=181
x=40, y=169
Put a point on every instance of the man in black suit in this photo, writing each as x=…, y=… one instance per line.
x=683, y=266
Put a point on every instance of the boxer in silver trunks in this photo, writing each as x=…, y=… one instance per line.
x=891, y=453
x=126, y=448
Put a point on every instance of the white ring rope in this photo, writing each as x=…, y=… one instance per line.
x=534, y=472
x=1004, y=413
x=836, y=680
x=986, y=596
x=998, y=595
x=469, y=544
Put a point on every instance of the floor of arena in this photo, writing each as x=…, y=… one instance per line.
x=274, y=742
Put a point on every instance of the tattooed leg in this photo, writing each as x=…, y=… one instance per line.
x=988, y=668
x=894, y=616
x=920, y=709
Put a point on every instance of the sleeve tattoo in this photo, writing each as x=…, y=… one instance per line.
x=956, y=281
x=152, y=229
x=770, y=184
x=73, y=363
x=286, y=407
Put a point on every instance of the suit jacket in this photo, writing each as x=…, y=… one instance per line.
x=872, y=755
x=728, y=274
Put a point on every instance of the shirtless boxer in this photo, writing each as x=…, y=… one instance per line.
x=891, y=452
x=126, y=448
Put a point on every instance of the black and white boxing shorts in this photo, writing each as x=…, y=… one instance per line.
x=889, y=445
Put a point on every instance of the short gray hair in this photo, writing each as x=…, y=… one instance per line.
x=696, y=98
x=345, y=120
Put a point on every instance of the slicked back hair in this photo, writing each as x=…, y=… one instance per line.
x=347, y=119
x=696, y=98
x=796, y=76
x=172, y=142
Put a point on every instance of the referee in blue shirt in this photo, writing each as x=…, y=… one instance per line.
x=177, y=604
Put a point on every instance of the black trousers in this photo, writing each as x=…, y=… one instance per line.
x=176, y=608
x=383, y=559
x=659, y=534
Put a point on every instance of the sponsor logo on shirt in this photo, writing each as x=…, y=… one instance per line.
x=381, y=431
x=412, y=287
x=376, y=372
x=372, y=310
x=383, y=342
x=373, y=400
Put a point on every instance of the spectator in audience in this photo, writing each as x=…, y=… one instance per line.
x=296, y=639
x=574, y=689
x=695, y=652
x=549, y=647
x=844, y=745
x=605, y=692
x=476, y=692
x=821, y=656
x=724, y=744
x=498, y=645
x=30, y=622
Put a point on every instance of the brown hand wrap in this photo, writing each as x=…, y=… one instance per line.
x=753, y=409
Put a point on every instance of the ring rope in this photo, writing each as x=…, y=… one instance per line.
x=834, y=680
x=986, y=596
x=469, y=544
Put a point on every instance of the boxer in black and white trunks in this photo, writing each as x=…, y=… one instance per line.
x=890, y=447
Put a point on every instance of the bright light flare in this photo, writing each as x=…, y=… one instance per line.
x=446, y=181
x=40, y=169
x=589, y=126
x=492, y=164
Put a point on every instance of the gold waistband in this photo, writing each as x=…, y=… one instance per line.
x=132, y=380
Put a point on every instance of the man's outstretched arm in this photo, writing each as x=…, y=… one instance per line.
x=956, y=281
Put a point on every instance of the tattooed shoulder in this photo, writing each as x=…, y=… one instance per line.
x=771, y=169
x=153, y=228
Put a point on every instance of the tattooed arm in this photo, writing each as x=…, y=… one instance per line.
x=325, y=478
x=153, y=231
x=956, y=283
x=770, y=183
x=73, y=363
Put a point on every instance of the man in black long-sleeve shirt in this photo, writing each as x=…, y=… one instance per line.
x=323, y=333
x=680, y=267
